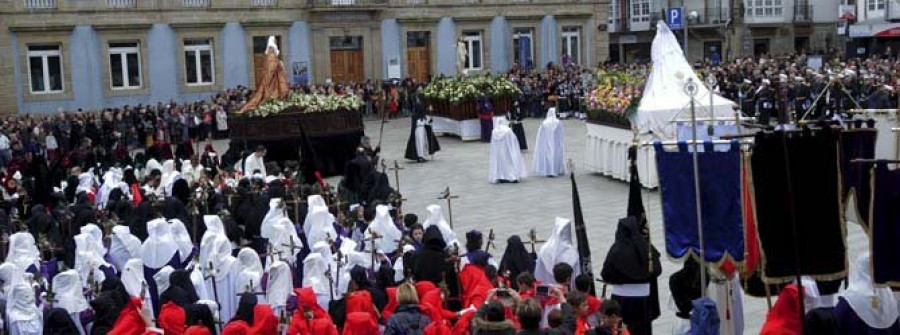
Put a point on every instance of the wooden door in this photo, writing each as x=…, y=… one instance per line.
x=419, y=59
x=347, y=66
x=418, y=55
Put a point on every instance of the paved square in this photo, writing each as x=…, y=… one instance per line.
x=534, y=203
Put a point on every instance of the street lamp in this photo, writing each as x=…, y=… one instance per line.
x=692, y=16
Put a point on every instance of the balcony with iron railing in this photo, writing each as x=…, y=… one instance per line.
x=121, y=4
x=195, y=3
x=713, y=16
x=346, y=3
x=39, y=4
x=804, y=12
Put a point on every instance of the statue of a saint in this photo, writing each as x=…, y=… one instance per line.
x=273, y=82
x=461, y=55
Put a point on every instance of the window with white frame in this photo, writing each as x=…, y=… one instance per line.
x=45, y=68
x=472, y=40
x=124, y=65
x=764, y=8
x=875, y=4
x=199, y=65
x=523, y=47
x=613, y=12
x=640, y=10
x=571, y=37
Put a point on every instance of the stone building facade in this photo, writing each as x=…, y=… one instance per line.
x=92, y=54
x=726, y=29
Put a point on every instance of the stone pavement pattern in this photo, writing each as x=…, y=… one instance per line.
x=513, y=209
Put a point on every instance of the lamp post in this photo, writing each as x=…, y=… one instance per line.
x=691, y=90
x=691, y=17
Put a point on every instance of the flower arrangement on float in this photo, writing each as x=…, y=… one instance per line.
x=309, y=103
x=615, y=99
x=456, y=90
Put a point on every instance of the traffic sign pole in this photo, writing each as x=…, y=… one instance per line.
x=675, y=20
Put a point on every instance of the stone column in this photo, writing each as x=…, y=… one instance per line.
x=446, y=47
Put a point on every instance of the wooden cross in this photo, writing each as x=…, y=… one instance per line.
x=292, y=247
x=248, y=290
x=374, y=236
x=273, y=253
x=50, y=297
x=211, y=274
x=93, y=285
x=340, y=263
x=330, y=282
x=396, y=170
x=533, y=240
x=295, y=202
x=446, y=195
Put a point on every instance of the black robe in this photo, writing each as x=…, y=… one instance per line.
x=200, y=314
x=112, y=299
x=433, y=145
x=627, y=263
x=515, y=123
x=58, y=321
x=138, y=221
x=685, y=287
x=84, y=211
x=376, y=188
x=431, y=262
x=516, y=259
x=355, y=173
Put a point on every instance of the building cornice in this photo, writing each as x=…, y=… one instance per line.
x=41, y=28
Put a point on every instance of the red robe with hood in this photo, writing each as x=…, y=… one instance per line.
x=264, y=320
x=130, y=321
x=236, y=328
x=172, y=319
x=391, y=305
x=475, y=286
x=784, y=318
x=320, y=324
x=361, y=301
x=360, y=323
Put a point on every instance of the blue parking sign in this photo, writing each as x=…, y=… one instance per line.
x=674, y=18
